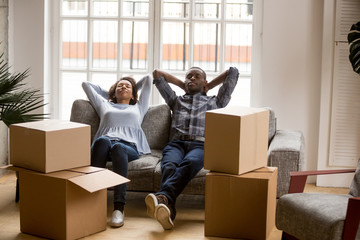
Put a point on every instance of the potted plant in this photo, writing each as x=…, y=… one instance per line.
x=354, y=41
x=17, y=102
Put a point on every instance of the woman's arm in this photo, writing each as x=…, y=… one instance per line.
x=94, y=89
x=144, y=85
x=95, y=94
x=169, y=78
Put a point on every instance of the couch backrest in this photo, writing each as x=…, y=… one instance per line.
x=272, y=123
x=83, y=112
x=156, y=123
x=156, y=126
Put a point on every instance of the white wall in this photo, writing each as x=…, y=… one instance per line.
x=291, y=67
x=3, y=49
x=25, y=46
x=26, y=39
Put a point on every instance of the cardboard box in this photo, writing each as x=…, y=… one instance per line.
x=67, y=204
x=236, y=139
x=240, y=206
x=50, y=145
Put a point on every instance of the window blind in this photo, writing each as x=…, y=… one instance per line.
x=345, y=113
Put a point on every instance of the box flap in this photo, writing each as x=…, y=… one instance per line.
x=261, y=173
x=59, y=174
x=266, y=169
x=96, y=181
x=63, y=174
x=237, y=110
x=8, y=167
x=50, y=125
x=13, y=168
x=18, y=169
x=86, y=169
x=257, y=173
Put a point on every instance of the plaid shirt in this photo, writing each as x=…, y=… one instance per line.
x=188, y=111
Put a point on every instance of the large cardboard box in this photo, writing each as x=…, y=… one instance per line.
x=236, y=139
x=241, y=206
x=50, y=145
x=67, y=204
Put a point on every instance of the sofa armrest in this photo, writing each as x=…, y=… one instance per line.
x=298, y=179
x=287, y=141
x=286, y=152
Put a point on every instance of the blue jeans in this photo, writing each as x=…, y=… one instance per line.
x=182, y=160
x=120, y=153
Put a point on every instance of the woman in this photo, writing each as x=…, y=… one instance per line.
x=119, y=138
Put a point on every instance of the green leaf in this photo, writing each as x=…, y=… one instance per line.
x=17, y=102
x=354, y=49
x=354, y=56
x=353, y=36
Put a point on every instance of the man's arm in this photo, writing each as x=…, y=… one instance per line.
x=169, y=78
x=225, y=91
x=216, y=81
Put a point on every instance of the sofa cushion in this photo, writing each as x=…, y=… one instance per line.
x=140, y=171
x=312, y=215
x=355, y=185
x=156, y=126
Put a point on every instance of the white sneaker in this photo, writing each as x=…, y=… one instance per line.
x=117, y=219
x=151, y=203
x=162, y=213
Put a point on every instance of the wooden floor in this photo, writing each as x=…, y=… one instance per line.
x=189, y=223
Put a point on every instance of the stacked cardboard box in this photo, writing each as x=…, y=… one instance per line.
x=61, y=196
x=240, y=192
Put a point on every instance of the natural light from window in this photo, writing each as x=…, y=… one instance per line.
x=102, y=40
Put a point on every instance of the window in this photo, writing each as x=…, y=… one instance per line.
x=102, y=40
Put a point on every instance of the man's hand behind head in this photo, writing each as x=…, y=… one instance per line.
x=157, y=73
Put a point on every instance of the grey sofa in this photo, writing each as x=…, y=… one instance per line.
x=286, y=149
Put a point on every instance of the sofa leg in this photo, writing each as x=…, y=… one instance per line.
x=286, y=236
x=17, y=198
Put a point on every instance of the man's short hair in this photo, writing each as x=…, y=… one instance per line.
x=200, y=70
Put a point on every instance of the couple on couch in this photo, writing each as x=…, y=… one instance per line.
x=120, y=138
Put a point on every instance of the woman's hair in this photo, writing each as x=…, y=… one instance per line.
x=112, y=90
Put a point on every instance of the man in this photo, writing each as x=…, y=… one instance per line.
x=183, y=156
